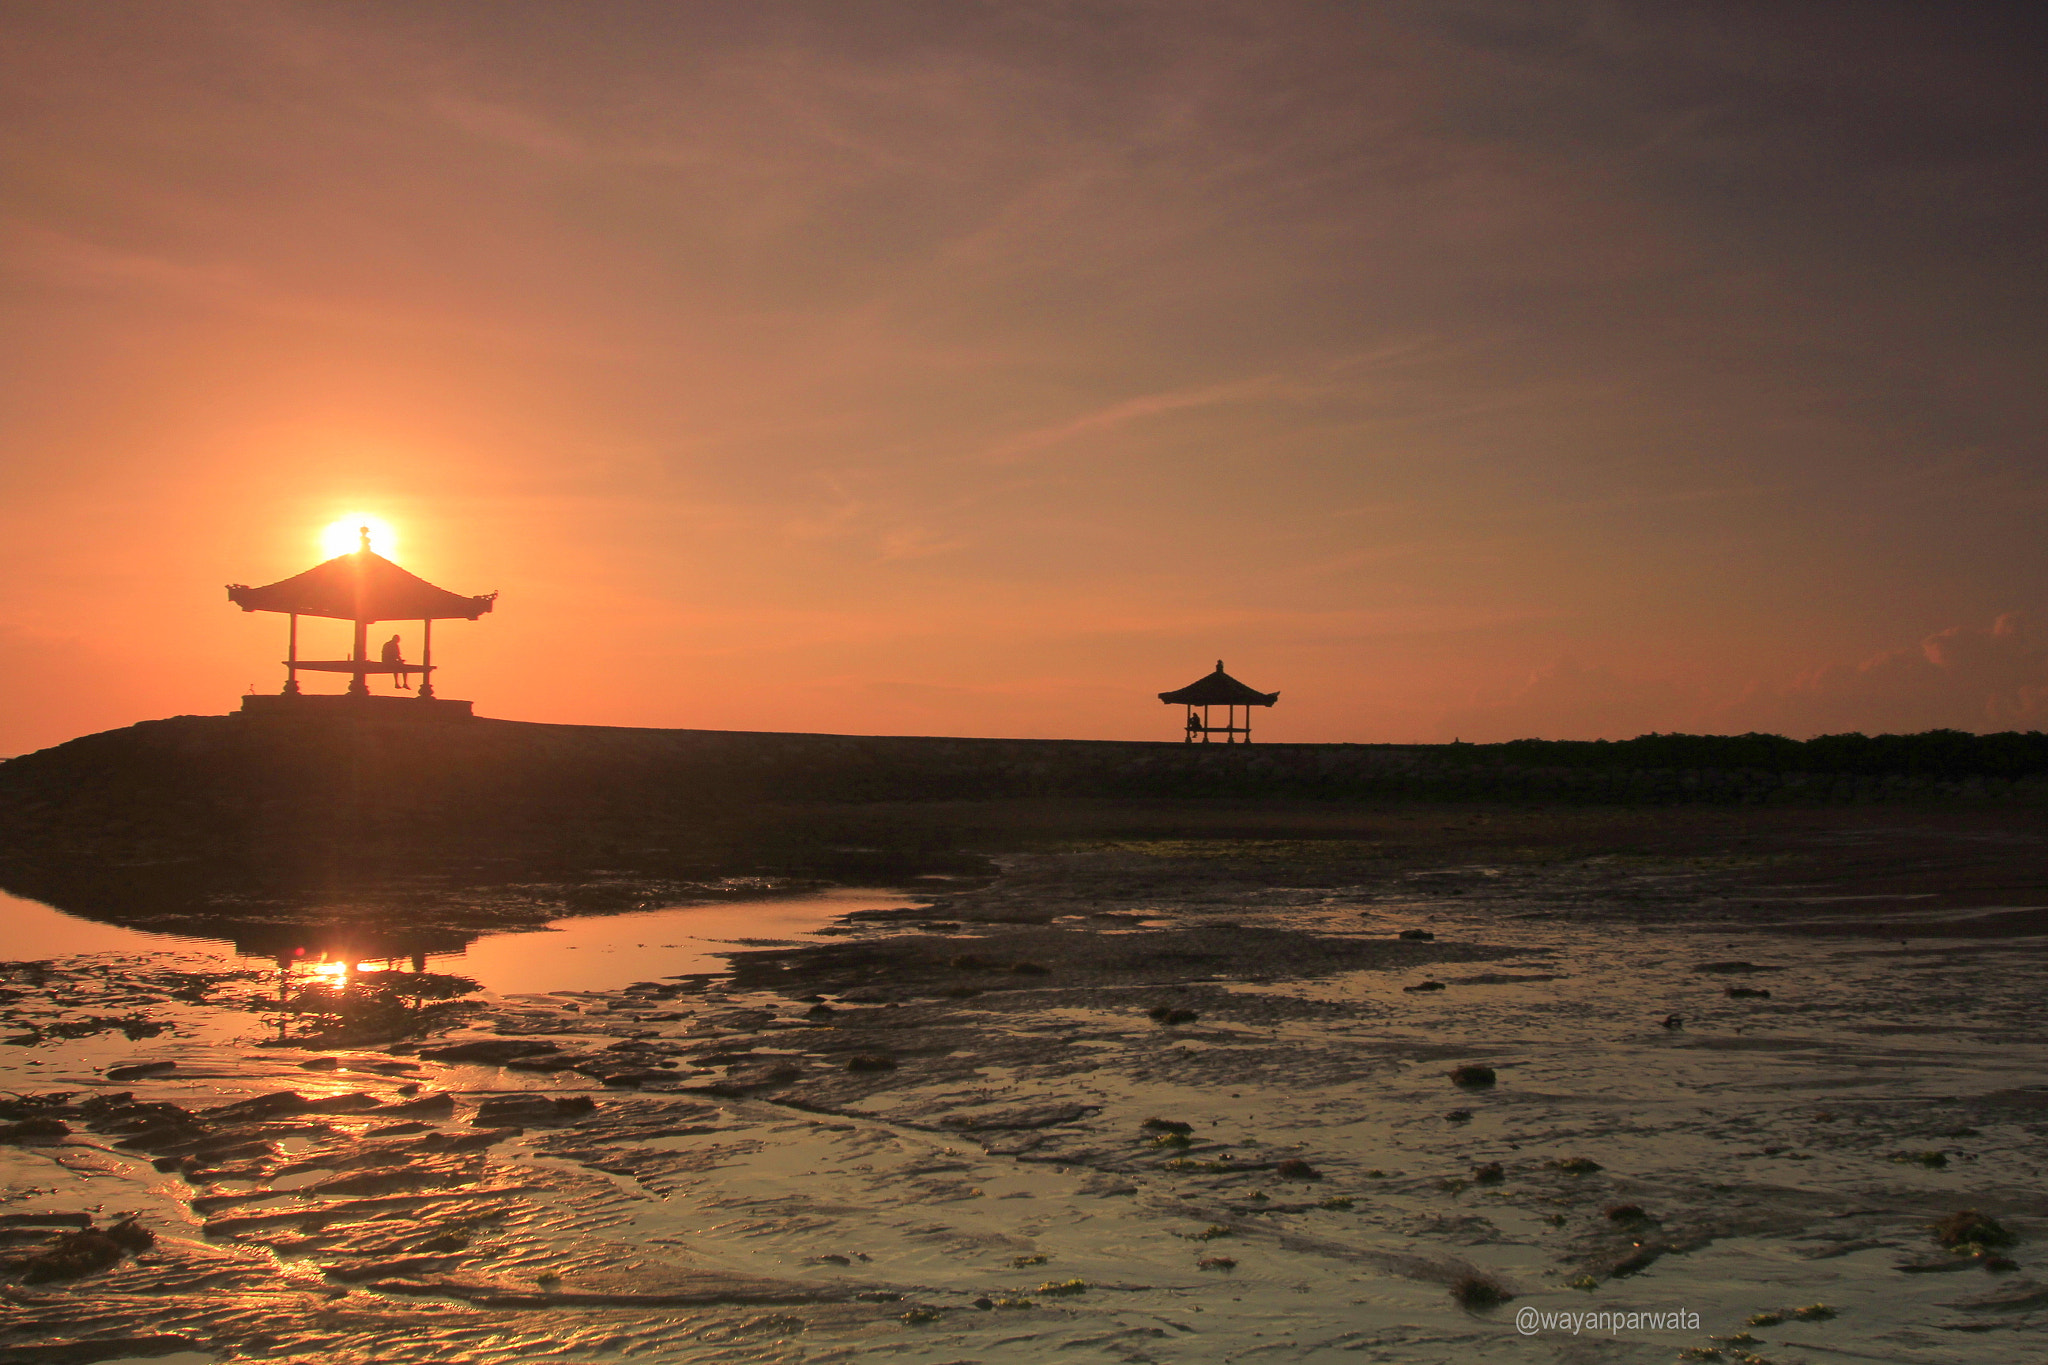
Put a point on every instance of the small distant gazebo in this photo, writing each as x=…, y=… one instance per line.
x=363, y=587
x=1218, y=689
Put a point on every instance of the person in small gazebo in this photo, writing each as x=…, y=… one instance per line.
x=394, y=657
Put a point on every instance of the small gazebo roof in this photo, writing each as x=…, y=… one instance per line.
x=362, y=586
x=1218, y=689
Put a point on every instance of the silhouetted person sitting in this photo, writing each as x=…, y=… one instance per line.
x=395, y=657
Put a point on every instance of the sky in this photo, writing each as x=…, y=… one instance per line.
x=1559, y=368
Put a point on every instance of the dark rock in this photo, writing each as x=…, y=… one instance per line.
x=1472, y=1076
x=503, y=1110
x=1418, y=935
x=259, y=1107
x=1477, y=1292
x=465, y=1142
x=1296, y=1169
x=1425, y=986
x=870, y=1063
x=33, y=1130
x=491, y=1051
x=1041, y=1116
x=231, y=1149
x=97, y=1349
x=137, y=1070
x=77, y=1254
x=1492, y=1173
x=1642, y=1258
x=404, y=1266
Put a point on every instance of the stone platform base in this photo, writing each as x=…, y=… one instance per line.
x=307, y=707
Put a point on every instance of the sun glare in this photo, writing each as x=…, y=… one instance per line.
x=343, y=535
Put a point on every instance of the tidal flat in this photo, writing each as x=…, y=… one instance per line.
x=1172, y=1081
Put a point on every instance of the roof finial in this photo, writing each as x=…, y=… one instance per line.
x=364, y=532
x=1219, y=665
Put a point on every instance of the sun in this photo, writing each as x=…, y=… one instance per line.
x=343, y=535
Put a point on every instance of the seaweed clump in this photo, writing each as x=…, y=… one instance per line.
x=74, y=1255
x=1968, y=1233
x=1477, y=1291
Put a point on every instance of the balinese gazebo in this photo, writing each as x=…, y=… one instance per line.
x=1218, y=689
x=363, y=587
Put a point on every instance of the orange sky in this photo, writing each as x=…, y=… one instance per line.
x=1457, y=369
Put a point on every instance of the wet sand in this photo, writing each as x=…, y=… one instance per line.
x=1176, y=1088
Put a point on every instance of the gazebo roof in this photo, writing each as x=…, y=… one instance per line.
x=1218, y=689
x=363, y=586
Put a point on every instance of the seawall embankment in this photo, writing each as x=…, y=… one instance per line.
x=233, y=789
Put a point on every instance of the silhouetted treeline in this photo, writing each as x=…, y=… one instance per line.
x=1951, y=755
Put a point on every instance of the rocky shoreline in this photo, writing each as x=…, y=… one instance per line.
x=1130, y=1100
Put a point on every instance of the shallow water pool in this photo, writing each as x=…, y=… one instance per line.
x=580, y=953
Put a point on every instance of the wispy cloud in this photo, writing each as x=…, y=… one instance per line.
x=1116, y=415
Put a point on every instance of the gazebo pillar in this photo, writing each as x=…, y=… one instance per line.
x=427, y=659
x=291, y=660
x=359, y=683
